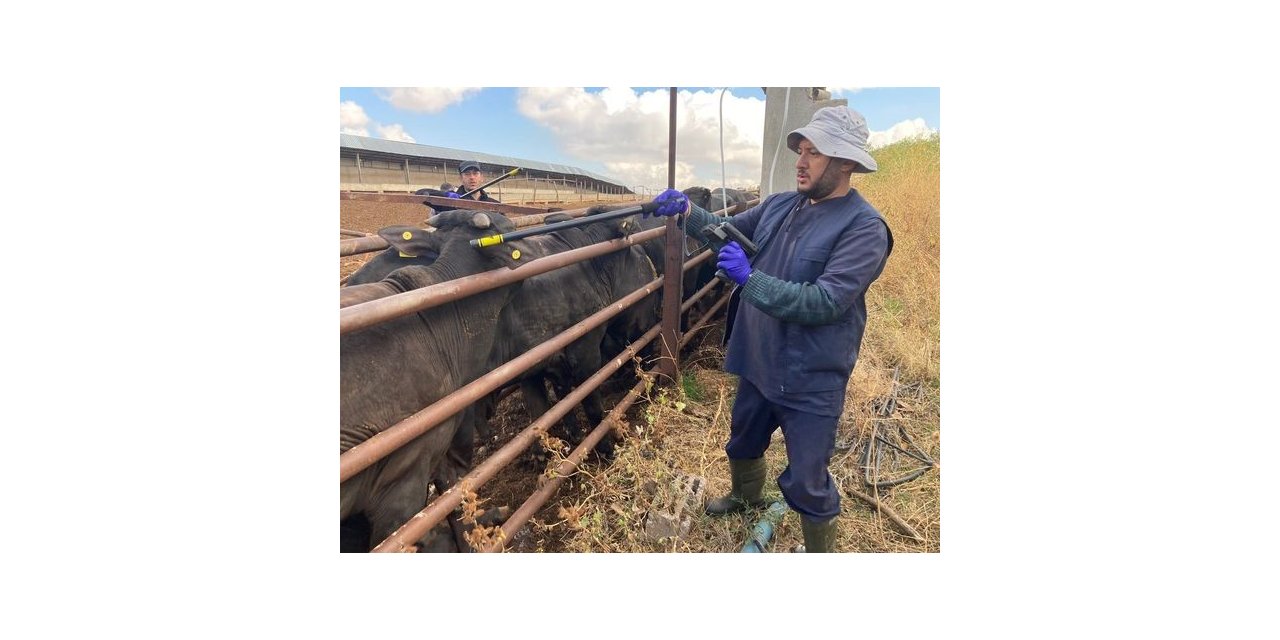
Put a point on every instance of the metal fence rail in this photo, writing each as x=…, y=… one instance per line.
x=351, y=247
x=365, y=314
x=365, y=454
x=544, y=493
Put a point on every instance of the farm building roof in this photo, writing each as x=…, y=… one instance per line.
x=415, y=150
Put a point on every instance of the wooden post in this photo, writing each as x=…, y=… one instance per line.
x=406, y=173
x=359, y=172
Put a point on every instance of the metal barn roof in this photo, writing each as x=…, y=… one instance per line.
x=414, y=150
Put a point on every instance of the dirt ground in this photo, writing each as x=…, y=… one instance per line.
x=369, y=217
x=673, y=431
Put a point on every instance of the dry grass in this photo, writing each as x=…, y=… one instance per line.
x=683, y=429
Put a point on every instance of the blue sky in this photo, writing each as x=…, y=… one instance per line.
x=619, y=132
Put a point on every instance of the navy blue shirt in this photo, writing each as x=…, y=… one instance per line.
x=797, y=336
x=484, y=195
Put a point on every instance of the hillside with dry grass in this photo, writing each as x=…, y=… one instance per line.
x=892, y=398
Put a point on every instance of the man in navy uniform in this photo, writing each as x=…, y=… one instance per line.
x=800, y=317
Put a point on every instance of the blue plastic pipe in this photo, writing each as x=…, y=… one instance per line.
x=762, y=533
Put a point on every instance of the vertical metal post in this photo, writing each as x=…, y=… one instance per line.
x=406, y=172
x=359, y=172
x=669, y=339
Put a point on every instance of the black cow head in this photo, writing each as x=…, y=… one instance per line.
x=479, y=224
x=698, y=195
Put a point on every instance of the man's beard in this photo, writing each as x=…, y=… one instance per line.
x=824, y=186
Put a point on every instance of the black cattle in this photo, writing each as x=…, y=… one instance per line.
x=721, y=198
x=691, y=280
x=562, y=298
x=410, y=246
x=698, y=195
x=714, y=200
x=392, y=370
x=550, y=303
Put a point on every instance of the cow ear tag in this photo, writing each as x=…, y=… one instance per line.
x=408, y=235
x=515, y=254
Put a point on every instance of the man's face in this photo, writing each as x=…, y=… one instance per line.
x=816, y=175
x=472, y=178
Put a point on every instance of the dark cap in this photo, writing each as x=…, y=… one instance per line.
x=469, y=165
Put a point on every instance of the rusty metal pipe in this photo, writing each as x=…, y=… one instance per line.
x=375, y=243
x=693, y=299
x=365, y=454
x=370, y=244
x=529, y=221
x=544, y=493
x=508, y=210
x=366, y=314
x=697, y=260
x=706, y=317
x=361, y=245
x=434, y=513
x=669, y=363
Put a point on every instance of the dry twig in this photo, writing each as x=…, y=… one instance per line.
x=880, y=507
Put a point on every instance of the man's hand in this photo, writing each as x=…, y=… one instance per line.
x=671, y=202
x=454, y=195
x=734, y=262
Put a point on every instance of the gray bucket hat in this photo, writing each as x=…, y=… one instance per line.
x=838, y=132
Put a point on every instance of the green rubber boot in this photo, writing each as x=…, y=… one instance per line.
x=819, y=535
x=748, y=488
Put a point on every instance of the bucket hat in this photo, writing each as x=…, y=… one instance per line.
x=837, y=132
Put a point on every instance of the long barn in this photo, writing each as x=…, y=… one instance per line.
x=377, y=165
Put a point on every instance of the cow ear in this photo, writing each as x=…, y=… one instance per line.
x=510, y=254
x=411, y=242
x=481, y=220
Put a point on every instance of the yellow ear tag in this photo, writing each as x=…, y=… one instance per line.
x=515, y=255
x=408, y=235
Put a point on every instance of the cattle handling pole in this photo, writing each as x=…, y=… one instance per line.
x=489, y=241
x=669, y=342
x=492, y=182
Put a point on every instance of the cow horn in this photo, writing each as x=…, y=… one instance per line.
x=481, y=221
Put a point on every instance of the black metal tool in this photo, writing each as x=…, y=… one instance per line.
x=487, y=241
x=722, y=233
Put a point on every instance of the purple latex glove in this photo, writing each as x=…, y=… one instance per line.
x=671, y=202
x=734, y=262
x=454, y=195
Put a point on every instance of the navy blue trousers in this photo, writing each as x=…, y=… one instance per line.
x=811, y=440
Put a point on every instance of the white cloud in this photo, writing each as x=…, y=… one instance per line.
x=915, y=128
x=426, y=99
x=843, y=91
x=627, y=132
x=394, y=132
x=353, y=119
